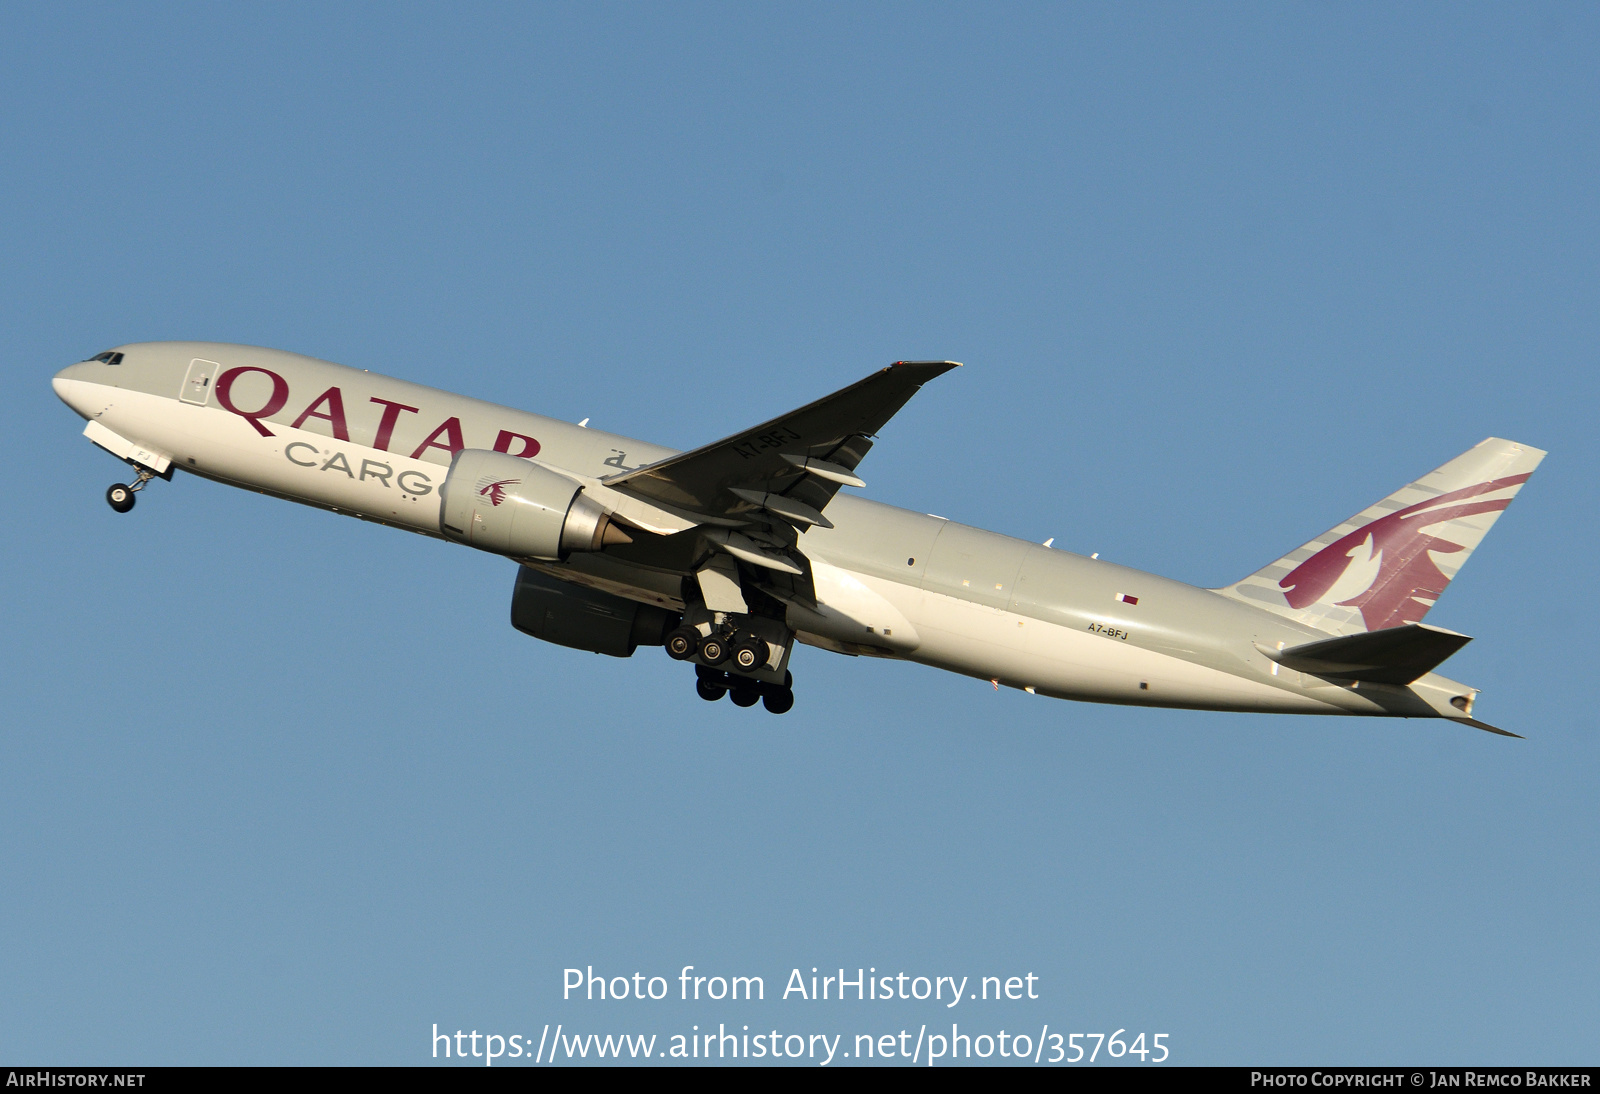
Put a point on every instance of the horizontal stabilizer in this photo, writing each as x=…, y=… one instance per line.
x=1487, y=728
x=1395, y=655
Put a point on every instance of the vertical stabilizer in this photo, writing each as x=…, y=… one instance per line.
x=1385, y=566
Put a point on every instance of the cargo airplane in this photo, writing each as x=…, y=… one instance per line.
x=729, y=554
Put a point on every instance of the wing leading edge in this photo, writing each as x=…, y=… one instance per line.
x=787, y=468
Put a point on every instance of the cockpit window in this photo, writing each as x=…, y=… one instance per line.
x=108, y=358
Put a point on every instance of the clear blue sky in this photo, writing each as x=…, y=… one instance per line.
x=281, y=787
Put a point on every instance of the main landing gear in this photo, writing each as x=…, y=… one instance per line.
x=712, y=684
x=121, y=498
x=747, y=652
x=741, y=651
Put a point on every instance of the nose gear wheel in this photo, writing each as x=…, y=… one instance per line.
x=121, y=498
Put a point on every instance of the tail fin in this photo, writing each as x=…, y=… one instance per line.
x=1385, y=566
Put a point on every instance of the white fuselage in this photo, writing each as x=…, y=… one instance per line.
x=355, y=453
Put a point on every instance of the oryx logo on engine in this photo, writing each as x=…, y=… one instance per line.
x=495, y=491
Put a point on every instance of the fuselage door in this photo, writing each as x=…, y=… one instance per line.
x=197, y=384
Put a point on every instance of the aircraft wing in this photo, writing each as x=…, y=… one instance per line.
x=786, y=469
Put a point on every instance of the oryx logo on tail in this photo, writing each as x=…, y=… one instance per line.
x=1395, y=556
x=495, y=491
x=1385, y=566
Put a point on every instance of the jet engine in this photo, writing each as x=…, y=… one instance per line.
x=585, y=619
x=509, y=506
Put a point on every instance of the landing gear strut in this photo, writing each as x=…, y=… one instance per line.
x=121, y=498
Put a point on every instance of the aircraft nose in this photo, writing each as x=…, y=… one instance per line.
x=71, y=385
x=80, y=371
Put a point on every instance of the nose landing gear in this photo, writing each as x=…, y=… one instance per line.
x=121, y=498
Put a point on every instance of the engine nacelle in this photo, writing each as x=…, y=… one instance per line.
x=506, y=505
x=585, y=619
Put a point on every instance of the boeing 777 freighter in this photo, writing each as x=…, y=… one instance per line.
x=728, y=554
